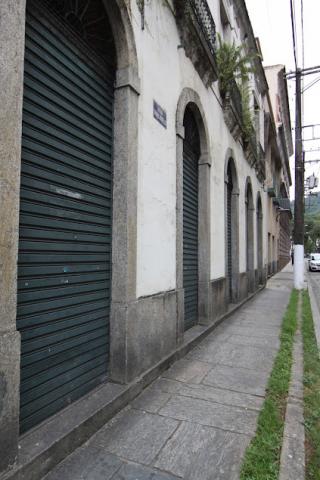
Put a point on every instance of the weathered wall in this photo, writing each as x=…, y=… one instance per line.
x=164, y=71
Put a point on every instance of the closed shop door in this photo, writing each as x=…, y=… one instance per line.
x=190, y=220
x=64, y=264
x=229, y=234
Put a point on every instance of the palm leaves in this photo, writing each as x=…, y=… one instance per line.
x=233, y=64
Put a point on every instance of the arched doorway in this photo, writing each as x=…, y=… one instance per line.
x=191, y=155
x=232, y=230
x=259, y=240
x=193, y=214
x=249, y=236
x=64, y=265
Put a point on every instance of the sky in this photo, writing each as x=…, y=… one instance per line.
x=271, y=22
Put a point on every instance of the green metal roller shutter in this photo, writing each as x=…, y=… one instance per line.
x=64, y=265
x=229, y=235
x=190, y=236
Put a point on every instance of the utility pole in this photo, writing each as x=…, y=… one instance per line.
x=299, y=194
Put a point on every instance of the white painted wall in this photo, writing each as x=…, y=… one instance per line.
x=165, y=71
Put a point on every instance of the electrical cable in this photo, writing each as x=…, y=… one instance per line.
x=293, y=33
x=302, y=33
x=316, y=80
x=292, y=75
x=303, y=57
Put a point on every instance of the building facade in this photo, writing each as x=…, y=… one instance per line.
x=134, y=207
x=278, y=169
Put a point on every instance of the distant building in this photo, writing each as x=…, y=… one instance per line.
x=278, y=175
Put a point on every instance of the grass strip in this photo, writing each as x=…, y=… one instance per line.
x=311, y=381
x=262, y=457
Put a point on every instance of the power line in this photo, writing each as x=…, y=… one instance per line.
x=305, y=71
x=311, y=125
x=302, y=47
x=293, y=33
x=302, y=34
x=311, y=84
x=310, y=68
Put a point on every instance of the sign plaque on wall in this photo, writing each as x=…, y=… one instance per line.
x=159, y=114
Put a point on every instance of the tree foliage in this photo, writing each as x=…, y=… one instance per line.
x=312, y=233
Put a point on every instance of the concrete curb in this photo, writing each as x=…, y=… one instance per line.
x=315, y=311
x=292, y=462
x=41, y=449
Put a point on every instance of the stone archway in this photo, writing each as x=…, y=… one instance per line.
x=125, y=156
x=103, y=139
x=190, y=99
x=231, y=228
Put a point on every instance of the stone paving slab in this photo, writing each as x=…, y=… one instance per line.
x=137, y=472
x=265, y=323
x=151, y=400
x=188, y=370
x=225, y=397
x=204, y=353
x=253, y=332
x=270, y=342
x=245, y=356
x=87, y=463
x=167, y=385
x=237, y=379
x=135, y=435
x=197, y=452
x=226, y=417
x=203, y=392
x=206, y=392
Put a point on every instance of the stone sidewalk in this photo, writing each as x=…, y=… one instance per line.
x=196, y=420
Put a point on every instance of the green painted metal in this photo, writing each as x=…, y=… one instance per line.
x=190, y=221
x=229, y=232
x=64, y=264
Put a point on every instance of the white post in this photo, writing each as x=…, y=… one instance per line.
x=298, y=267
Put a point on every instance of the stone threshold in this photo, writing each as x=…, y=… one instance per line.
x=48, y=444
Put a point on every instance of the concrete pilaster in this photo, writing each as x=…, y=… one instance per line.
x=12, y=21
x=124, y=243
